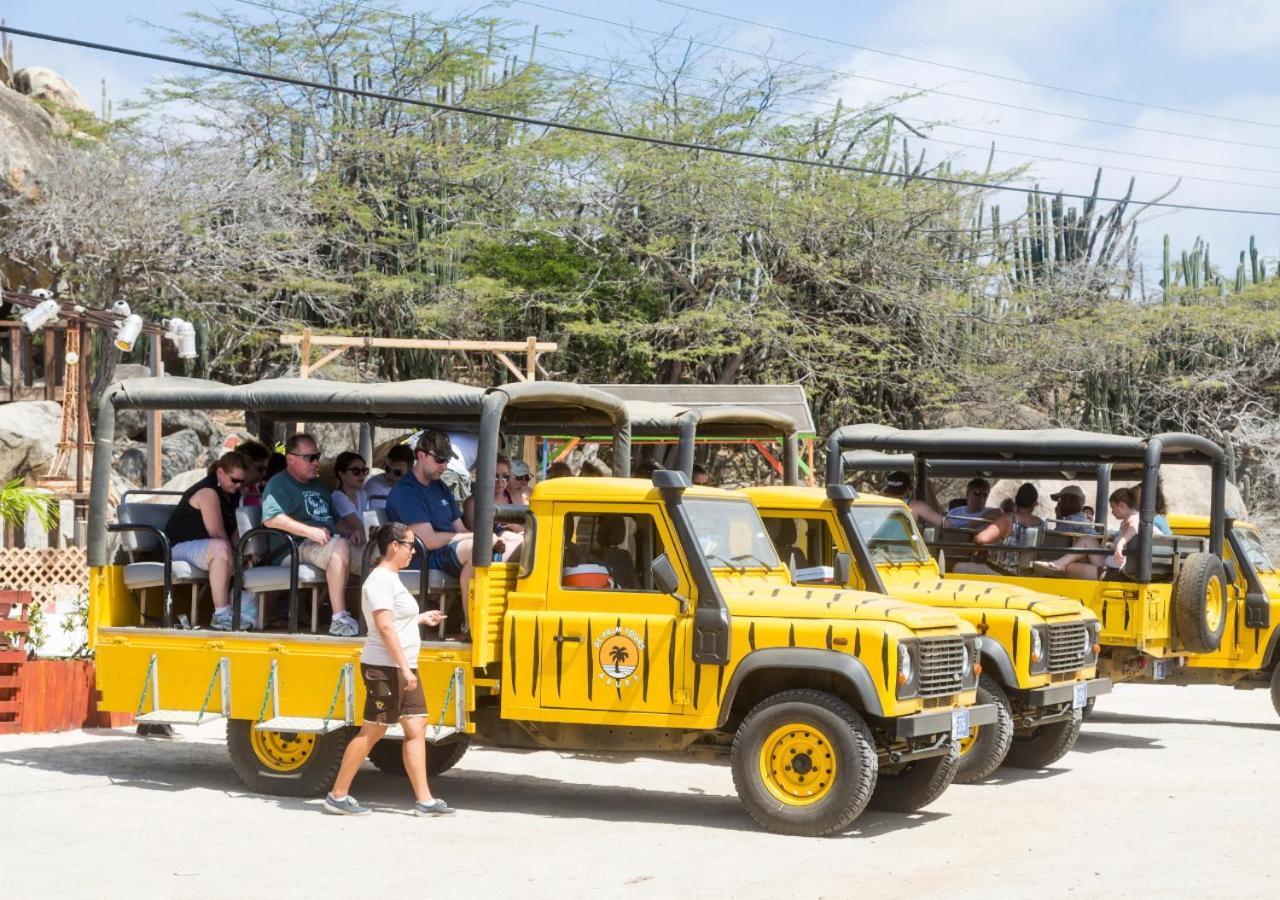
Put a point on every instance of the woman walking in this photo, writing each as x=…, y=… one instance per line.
x=389, y=667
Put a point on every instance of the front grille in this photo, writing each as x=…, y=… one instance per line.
x=941, y=664
x=1068, y=646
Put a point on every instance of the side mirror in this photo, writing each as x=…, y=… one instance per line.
x=664, y=577
x=1231, y=570
x=664, y=574
x=843, y=568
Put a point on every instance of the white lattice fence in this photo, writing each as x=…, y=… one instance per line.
x=50, y=574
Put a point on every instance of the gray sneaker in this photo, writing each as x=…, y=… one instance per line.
x=222, y=617
x=347, y=806
x=343, y=625
x=436, y=807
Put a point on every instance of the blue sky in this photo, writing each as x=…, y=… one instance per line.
x=1213, y=58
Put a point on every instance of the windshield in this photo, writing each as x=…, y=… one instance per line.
x=890, y=534
x=730, y=533
x=1251, y=543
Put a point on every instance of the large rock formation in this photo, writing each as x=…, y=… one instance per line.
x=28, y=437
x=26, y=143
x=40, y=83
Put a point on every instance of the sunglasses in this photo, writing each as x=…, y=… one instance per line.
x=398, y=473
x=408, y=544
x=440, y=459
x=501, y=477
x=520, y=477
x=235, y=480
x=309, y=457
x=354, y=470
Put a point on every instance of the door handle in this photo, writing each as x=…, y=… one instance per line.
x=567, y=639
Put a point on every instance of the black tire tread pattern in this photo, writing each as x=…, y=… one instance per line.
x=387, y=756
x=993, y=742
x=858, y=775
x=917, y=785
x=1045, y=745
x=1275, y=689
x=1194, y=577
x=314, y=779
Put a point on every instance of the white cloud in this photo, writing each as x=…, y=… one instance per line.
x=1236, y=28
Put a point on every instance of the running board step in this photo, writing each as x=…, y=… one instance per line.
x=300, y=725
x=178, y=717
x=434, y=734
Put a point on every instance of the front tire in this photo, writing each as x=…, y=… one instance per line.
x=985, y=749
x=1045, y=745
x=286, y=764
x=917, y=784
x=1275, y=689
x=804, y=763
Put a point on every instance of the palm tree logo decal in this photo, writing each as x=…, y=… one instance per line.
x=618, y=655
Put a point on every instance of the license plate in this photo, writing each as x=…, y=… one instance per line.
x=1080, y=696
x=1160, y=670
x=960, y=723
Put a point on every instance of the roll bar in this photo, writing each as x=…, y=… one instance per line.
x=739, y=421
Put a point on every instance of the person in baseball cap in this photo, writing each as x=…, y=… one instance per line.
x=898, y=486
x=1069, y=510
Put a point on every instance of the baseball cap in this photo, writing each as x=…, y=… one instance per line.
x=897, y=483
x=1070, y=490
x=436, y=443
x=519, y=468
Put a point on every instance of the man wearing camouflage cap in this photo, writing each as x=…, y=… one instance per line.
x=423, y=502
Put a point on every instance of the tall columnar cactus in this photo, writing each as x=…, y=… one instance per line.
x=1240, y=274
x=1254, y=261
x=1166, y=282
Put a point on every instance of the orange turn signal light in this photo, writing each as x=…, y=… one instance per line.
x=902, y=680
x=977, y=668
x=1097, y=648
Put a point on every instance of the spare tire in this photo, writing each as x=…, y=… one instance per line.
x=1200, y=603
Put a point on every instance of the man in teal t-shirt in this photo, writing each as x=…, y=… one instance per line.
x=297, y=502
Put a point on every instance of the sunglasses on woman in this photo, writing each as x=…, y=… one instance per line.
x=354, y=470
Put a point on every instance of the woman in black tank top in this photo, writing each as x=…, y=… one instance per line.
x=202, y=528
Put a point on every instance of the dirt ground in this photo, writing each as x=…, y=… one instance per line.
x=1170, y=791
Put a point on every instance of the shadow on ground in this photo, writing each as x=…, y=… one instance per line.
x=1130, y=719
x=130, y=762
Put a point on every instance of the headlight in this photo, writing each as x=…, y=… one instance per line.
x=906, y=670
x=969, y=674
x=1039, y=660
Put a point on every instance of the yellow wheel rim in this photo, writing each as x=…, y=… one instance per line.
x=282, y=751
x=1213, y=608
x=966, y=743
x=798, y=764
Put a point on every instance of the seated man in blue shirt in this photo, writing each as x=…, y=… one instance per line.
x=975, y=512
x=424, y=503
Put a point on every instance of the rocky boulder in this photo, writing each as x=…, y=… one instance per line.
x=132, y=424
x=184, y=480
x=40, y=83
x=26, y=143
x=28, y=437
x=182, y=451
x=130, y=463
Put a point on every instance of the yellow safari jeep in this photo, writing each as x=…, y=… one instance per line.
x=1039, y=652
x=642, y=617
x=1187, y=607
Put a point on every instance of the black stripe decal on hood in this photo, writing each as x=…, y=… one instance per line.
x=1015, y=640
x=751, y=636
x=791, y=635
x=857, y=642
x=829, y=628
x=884, y=659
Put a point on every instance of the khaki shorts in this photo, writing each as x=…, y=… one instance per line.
x=385, y=700
x=318, y=555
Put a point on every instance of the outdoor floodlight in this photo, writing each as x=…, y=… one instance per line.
x=38, y=316
x=183, y=335
x=121, y=308
x=127, y=331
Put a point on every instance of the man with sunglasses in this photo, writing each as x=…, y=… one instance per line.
x=975, y=512
x=399, y=462
x=298, y=502
x=424, y=502
x=202, y=528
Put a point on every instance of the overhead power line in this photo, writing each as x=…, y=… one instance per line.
x=970, y=71
x=597, y=132
x=903, y=85
x=806, y=97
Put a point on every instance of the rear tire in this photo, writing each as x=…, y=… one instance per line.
x=388, y=756
x=1275, y=689
x=917, y=784
x=286, y=764
x=1045, y=745
x=1200, y=603
x=782, y=753
x=990, y=744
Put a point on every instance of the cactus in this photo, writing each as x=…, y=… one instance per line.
x=1253, y=259
x=1167, y=280
x=1240, y=274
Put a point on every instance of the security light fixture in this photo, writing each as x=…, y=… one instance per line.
x=183, y=335
x=127, y=331
x=41, y=315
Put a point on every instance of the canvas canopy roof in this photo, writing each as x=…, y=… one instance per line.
x=787, y=401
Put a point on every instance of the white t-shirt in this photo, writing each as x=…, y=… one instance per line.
x=343, y=506
x=383, y=590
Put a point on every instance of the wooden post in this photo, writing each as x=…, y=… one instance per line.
x=82, y=404
x=531, y=374
x=154, y=431
x=304, y=369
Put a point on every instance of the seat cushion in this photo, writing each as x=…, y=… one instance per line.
x=435, y=579
x=276, y=578
x=151, y=574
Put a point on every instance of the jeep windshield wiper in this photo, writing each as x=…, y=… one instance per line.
x=751, y=556
x=727, y=563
